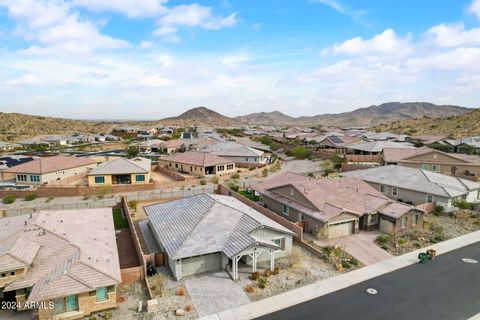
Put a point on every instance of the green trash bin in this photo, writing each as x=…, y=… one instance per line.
x=423, y=257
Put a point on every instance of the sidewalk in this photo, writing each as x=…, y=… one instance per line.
x=296, y=296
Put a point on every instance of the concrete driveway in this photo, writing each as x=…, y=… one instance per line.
x=214, y=292
x=361, y=246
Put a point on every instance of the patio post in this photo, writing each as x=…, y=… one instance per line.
x=272, y=259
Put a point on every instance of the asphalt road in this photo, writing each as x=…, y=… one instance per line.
x=446, y=288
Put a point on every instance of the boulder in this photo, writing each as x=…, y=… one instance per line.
x=179, y=312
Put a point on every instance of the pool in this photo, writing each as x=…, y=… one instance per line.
x=13, y=186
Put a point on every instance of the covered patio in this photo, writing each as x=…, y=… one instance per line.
x=252, y=258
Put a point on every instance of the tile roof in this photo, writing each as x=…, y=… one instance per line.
x=396, y=209
x=201, y=159
x=232, y=149
x=326, y=198
x=206, y=224
x=62, y=260
x=419, y=180
x=123, y=166
x=50, y=164
x=406, y=154
x=429, y=139
x=176, y=143
x=342, y=141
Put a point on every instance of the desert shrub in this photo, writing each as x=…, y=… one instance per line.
x=462, y=204
x=108, y=316
x=235, y=176
x=345, y=264
x=157, y=285
x=337, y=161
x=265, y=172
x=133, y=205
x=9, y=199
x=354, y=261
x=233, y=186
x=383, y=239
x=436, y=228
x=267, y=273
x=438, y=210
x=49, y=199
x=30, y=197
x=215, y=179
x=299, y=153
x=255, y=276
x=249, y=289
x=86, y=197
x=203, y=182
x=402, y=241
x=262, y=283
x=276, y=270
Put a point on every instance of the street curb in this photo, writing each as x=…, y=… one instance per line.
x=329, y=285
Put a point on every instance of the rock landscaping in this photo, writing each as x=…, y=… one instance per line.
x=436, y=228
x=300, y=269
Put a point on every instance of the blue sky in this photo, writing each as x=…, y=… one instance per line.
x=148, y=59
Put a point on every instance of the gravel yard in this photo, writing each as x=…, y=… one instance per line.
x=301, y=269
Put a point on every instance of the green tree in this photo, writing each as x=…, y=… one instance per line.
x=327, y=167
x=133, y=151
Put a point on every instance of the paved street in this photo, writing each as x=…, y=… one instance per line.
x=446, y=288
x=360, y=245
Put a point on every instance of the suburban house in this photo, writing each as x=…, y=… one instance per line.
x=419, y=186
x=199, y=164
x=330, y=208
x=47, y=262
x=171, y=146
x=465, y=145
x=427, y=140
x=455, y=164
x=240, y=154
x=48, y=169
x=8, y=146
x=121, y=171
x=336, y=144
x=383, y=136
x=376, y=147
x=215, y=232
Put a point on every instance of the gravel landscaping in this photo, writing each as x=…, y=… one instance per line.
x=436, y=229
x=301, y=269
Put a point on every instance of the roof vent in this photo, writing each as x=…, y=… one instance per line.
x=25, y=222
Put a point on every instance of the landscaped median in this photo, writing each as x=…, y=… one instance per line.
x=296, y=296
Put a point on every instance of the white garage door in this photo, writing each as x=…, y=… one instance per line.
x=340, y=229
x=201, y=264
x=385, y=225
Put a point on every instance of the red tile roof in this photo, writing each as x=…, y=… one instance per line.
x=50, y=164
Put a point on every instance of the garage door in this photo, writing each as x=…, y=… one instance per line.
x=201, y=264
x=385, y=225
x=340, y=229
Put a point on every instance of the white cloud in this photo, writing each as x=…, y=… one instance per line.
x=146, y=44
x=386, y=42
x=474, y=8
x=356, y=15
x=131, y=8
x=55, y=29
x=453, y=35
x=192, y=15
x=25, y=80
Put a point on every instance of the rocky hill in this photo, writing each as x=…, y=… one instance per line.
x=370, y=116
x=200, y=116
x=267, y=118
x=466, y=124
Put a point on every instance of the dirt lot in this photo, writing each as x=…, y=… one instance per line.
x=160, y=177
x=126, y=250
x=436, y=229
x=301, y=269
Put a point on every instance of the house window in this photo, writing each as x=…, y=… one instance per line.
x=383, y=189
x=425, y=166
x=102, y=294
x=176, y=165
x=229, y=166
x=4, y=275
x=35, y=178
x=435, y=168
x=286, y=210
x=429, y=198
x=99, y=180
x=191, y=168
x=404, y=222
x=280, y=242
x=140, y=178
x=292, y=192
x=415, y=219
x=12, y=273
x=21, y=177
x=372, y=218
x=220, y=168
x=69, y=303
x=394, y=191
x=246, y=159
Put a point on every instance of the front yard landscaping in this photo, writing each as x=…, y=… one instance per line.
x=436, y=228
x=298, y=270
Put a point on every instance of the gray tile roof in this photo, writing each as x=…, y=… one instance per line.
x=416, y=179
x=378, y=146
x=206, y=223
x=232, y=149
x=123, y=166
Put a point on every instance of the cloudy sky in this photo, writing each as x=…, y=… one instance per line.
x=142, y=59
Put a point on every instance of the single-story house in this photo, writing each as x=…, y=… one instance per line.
x=330, y=208
x=455, y=164
x=238, y=153
x=46, y=261
x=426, y=140
x=172, y=146
x=419, y=186
x=199, y=164
x=376, y=147
x=48, y=169
x=121, y=171
x=469, y=145
x=336, y=144
x=9, y=146
x=215, y=232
